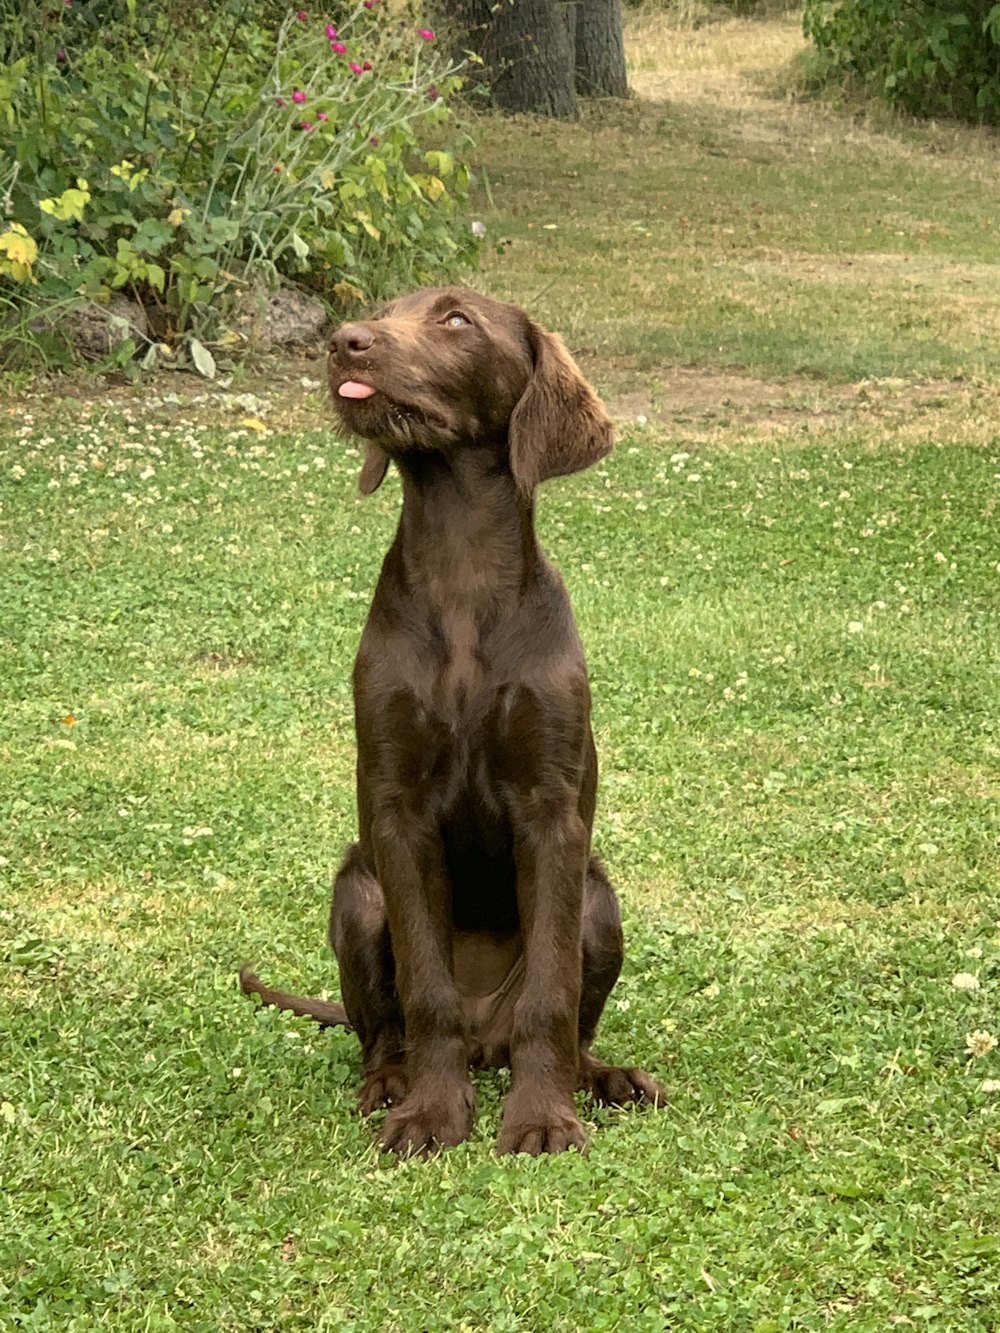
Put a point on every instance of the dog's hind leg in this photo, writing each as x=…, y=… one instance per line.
x=603, y=952
x=359, y=936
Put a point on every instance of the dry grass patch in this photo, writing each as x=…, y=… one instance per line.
x=713, y=224
x=713, y=63
x=706, y=407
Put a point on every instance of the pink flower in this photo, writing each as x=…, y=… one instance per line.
x=369, y=4
x=305, y=125
x=374, y=141
x=301, y=15
x=432, y=93
x=426, y=34
x=339, y=47
x=299, y=96
x=61, y=57
x=331, y=32
x=367, y=65
x=355, y=69
x=321, y=115
x=280, y=101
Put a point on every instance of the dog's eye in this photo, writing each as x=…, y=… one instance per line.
x=455, y=319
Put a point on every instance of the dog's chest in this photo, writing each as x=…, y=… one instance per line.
x=459, y=701
x=460, y=681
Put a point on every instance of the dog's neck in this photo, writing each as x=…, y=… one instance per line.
x=466, y=534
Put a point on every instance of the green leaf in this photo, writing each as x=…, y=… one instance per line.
x=204, y=361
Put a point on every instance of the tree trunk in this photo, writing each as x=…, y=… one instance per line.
x=600, y=49
x=526, y=52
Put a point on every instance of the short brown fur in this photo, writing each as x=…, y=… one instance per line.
x=471, y=922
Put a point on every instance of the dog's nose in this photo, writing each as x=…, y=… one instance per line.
x=353, y=339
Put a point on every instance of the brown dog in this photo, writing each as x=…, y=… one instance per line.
x=470, y=920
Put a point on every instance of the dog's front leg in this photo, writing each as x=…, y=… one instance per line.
x=437, y=1109
x=551, y=852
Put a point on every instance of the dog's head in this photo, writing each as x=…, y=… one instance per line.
x=447, y=368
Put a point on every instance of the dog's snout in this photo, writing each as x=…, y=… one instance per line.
x=353, y=339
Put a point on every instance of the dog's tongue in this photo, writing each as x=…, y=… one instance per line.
x=352, y=389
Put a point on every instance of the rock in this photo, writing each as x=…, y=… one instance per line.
x=95, y=330
x=281, y=318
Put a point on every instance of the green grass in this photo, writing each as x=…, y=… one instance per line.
x=802, y=815
x=715, y=221
x=790, y=596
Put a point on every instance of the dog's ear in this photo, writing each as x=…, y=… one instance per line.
x=373, y=469
x=559, y=424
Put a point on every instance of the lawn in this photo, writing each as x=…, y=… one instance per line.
x=787, y=578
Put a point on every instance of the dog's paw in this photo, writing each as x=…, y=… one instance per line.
x=620, y=1085
x=539, y=1129
x=429, y=1119
x=384, y=1086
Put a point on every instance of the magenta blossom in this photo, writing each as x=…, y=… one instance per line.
x=321, y=115
x=355, y=69
x=432, y=93
x=367, y=66
x=304, y=125
x=339, y=48
x=426, y=34
x=374, y=141
x=331, y=32
x=369, y=4
x=61, y=57
x=280, y=101
x=301, y=15
x=299, y=96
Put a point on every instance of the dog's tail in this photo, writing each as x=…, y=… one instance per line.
x=326, y=1013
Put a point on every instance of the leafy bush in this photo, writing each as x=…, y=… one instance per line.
x=931, y=57
x=184, y=158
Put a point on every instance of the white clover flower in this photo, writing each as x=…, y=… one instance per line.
x=980, y=1043
x=965, y=981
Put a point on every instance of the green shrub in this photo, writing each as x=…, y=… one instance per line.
x=184, y=158
x=930, y=57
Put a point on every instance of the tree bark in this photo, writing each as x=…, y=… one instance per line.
x=526, y=52
x=600, y=49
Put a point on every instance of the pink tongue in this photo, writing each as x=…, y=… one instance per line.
x=352, y=389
